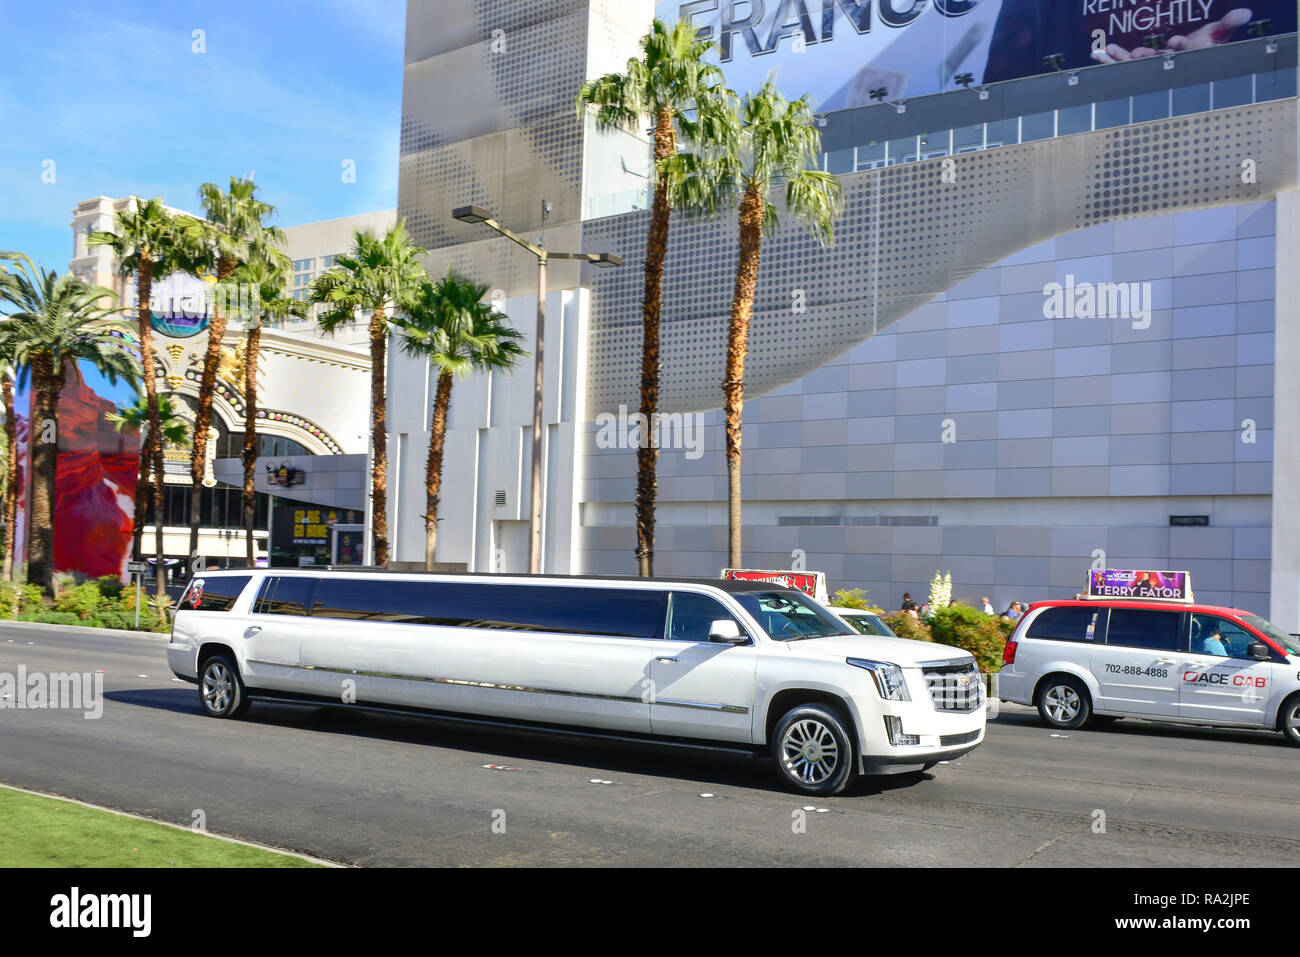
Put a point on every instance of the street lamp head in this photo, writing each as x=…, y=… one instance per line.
x=607, y=259
x=471, y=214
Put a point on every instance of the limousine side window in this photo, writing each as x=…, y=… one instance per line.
x=690, y=615
x=285, y=596
x=1066, y=623
x=213, y=594
x=613, y=612
x=1140, y=628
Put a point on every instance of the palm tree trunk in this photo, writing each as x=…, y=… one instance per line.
x=433, y=471
x=151, y=453
x=733, y=386
x=45, y=468
x=143, y=497
x=250, y=439
x=13, y=490
x=647, y=455
x=378, y=436
x=203, y=417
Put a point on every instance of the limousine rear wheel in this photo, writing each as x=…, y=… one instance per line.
x=1063, y=702
x=221, y=691
x=813, y=749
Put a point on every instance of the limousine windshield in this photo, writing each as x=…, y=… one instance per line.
x=789, y=615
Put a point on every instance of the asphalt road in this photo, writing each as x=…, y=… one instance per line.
x=379, y=790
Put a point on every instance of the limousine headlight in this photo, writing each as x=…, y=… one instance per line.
x=888, y=678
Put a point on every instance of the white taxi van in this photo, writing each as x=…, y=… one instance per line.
x=731, y=664
x=1139, y=646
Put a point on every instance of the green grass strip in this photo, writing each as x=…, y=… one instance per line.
x=38, y=831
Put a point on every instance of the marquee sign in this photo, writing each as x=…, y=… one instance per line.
x=1145, y=585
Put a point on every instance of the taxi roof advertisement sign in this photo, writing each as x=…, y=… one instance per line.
x=812, y=584
x=1151, y=586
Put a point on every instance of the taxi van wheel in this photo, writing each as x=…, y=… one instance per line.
x=1288, y=719
x=1063, y=702
x=221, y=690
x=813, y=750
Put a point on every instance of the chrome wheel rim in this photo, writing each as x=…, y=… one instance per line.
x=1293, y=721
x=218, y=687
x=1062, y=703
x=809, y=752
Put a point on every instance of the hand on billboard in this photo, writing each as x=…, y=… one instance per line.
x=1212, y=34
x=1209, y=35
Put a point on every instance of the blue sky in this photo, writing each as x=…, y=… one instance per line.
x=114, y=95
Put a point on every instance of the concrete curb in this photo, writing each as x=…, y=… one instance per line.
x=83, y=630
x=178, y=827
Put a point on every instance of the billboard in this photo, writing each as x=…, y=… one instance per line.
x=838, y=51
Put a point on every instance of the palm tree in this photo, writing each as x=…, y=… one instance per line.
x=12, y=491
x=55, y=320
x=664, y=84
x=174, y=429
x=148, y=245
x=379, y=273
x=744, y=150
x=451, y=327
x=233, y=229
x=268, y=272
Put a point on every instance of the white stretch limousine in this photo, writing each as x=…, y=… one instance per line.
x=722, y=663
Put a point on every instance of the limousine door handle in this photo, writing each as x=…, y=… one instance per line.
x=667, y=658
x=251, y=630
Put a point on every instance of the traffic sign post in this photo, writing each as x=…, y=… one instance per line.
x=137, y=569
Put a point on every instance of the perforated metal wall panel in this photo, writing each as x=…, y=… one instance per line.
x=906, y=236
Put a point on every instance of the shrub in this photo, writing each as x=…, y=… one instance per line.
x=29, y=600
x=971, y=630
x=905, y=626
x=54, y=618
x=84, y=600
x=110, y=586
x=855, y=598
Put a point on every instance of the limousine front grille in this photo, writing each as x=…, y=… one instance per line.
x=955, y=687
x=953, y=740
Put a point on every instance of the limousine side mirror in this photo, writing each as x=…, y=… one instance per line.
x=727, y=632
x=1259, y=651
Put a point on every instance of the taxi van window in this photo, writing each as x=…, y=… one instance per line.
x=1219, y=637
x=1141, y=628
x=1069, y=624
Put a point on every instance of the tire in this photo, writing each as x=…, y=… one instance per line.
x=1288, y=719
x=1063, y=702
x=813, y=750
x=221, y=690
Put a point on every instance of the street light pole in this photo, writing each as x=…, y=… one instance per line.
x=539, y=384
x=477, y=214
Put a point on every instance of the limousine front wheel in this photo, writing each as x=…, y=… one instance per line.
x=813, y=750
x=221, y=692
